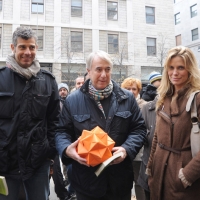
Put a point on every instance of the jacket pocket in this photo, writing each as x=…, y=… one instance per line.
x=39, y=147
x=39, y=106
x=6, y=105
x=81, y=122
x=3, y=160
x=81, y=118
x=123, y=114
x=121, y=121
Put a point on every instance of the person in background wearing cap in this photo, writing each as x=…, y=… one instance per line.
x=56, y=172
x=63, y=89
x=150, y=91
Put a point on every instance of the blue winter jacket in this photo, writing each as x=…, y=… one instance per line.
x=124, y=124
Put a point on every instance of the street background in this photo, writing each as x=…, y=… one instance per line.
x=53, y=195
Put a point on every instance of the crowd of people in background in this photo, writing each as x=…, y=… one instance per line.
x=41, y=122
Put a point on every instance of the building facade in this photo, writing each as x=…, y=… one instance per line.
x=135, y=33
x=187, y=25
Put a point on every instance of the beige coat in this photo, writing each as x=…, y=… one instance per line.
x=141, y=102
x=173, y=127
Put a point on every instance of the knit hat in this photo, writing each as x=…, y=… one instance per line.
x=154, y=76
x=63, y=85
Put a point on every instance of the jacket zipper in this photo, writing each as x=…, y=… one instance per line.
x=171, y=123
x=165, y=115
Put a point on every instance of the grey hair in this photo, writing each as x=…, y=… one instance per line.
x=24, y=33
x=101, y=54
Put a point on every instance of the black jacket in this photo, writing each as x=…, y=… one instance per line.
x=124, y=125
x=149, y=92
x=29, y=112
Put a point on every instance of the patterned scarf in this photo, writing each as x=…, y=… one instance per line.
x=26, y=72
x=98, y=95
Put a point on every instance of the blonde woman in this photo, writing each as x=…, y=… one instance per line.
x=173, y=172
x=134, y=85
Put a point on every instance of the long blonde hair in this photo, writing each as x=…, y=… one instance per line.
x=166, y=88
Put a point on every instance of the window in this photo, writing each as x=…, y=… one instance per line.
x=37, y=6
x=46, y=66
x=0, y=4
x=151, y=46
x=112, y=43
x=193, y=10
x=177, y=18
x=178, y=40
x=76, y=41
x=150, y=15
x=76, y=8
x=195, y=34
x=40, y=35
x=112, y=10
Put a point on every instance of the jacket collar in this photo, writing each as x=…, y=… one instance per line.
x=119, y=93
x=39, y=75
x=176, y=107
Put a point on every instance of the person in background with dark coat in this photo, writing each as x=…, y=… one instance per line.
x=134, y=85
x=59, y=184
x=63, y=90
x=149, y=115
x=29, y=110
x=114, y=110
x=150, y=91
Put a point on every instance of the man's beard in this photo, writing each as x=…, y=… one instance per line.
x=62, y=99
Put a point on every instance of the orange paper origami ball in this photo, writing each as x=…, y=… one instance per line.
x=95, y=146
